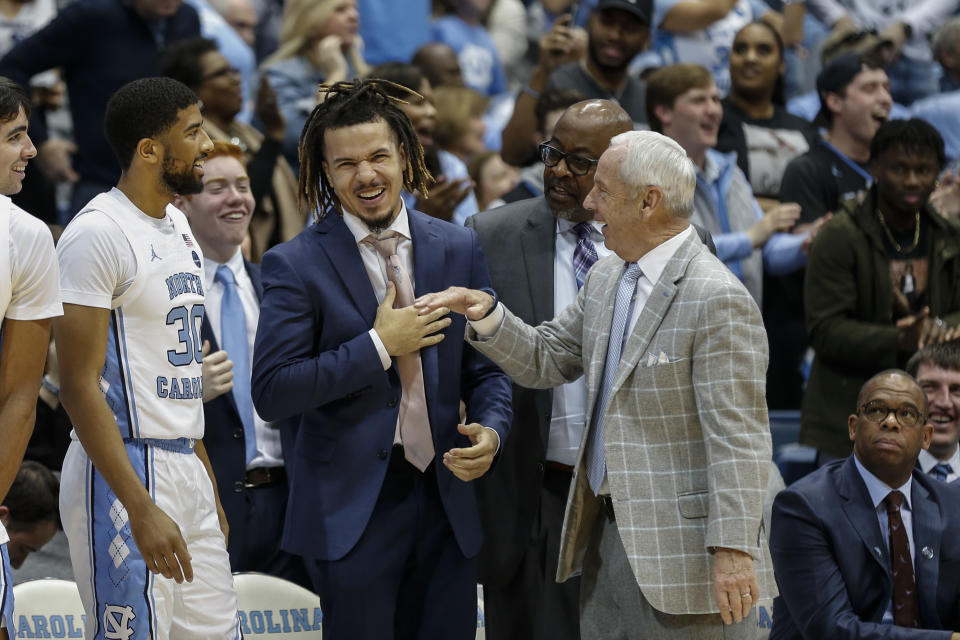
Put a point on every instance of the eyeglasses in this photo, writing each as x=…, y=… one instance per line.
x=877, y=411
x=219, y=73
x=577, y=164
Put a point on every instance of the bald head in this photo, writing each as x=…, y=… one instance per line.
x=605, y=117
x=439, y=63
x=892, y=375
x=584, y=130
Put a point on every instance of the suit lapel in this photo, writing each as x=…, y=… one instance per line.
x=206, y=333
x=927, y=532
x=340, y=246
x=859, y=510
x=429, y=275
x=538, y=252
x=653, y=312
x=254, y=272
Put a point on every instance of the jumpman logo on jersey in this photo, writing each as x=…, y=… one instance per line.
x=153, y=254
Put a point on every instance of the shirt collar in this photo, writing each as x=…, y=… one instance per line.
x=360, y=230
x=653, y=262
x=879, y=489
x=564, y=226
x=927, y=461
x=210, y=268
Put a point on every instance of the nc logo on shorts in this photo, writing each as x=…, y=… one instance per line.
x=116, y=622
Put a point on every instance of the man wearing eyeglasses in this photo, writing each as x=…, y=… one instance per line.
x=539, y=251
x=870, y=541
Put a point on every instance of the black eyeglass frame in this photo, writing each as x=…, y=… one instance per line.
x=545, y=150
x=920, y=419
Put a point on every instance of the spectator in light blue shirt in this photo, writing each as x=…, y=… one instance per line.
x=683, y=103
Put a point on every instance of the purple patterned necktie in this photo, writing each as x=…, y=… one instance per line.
x=904, y=586
x=584, y=254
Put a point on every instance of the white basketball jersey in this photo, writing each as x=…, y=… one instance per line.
x=152, y=377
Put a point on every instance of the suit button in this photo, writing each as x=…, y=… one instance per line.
x=238, y=434
x=392, y=402
x=238, y=486
x=382, y=454
x=540, y=467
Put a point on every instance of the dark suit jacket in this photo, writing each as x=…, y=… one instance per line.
x=832, y=565
x=223, y=433
x=519, y=240
x=314, y=357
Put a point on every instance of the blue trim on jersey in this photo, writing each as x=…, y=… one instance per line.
x=173, y=445
x=121, y=587
x=127, y=375
x=113, y=374
x=6, y=592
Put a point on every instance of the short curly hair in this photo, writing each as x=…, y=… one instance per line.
x=142, y=109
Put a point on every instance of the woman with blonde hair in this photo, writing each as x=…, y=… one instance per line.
x=460, y=126
x=319, y=44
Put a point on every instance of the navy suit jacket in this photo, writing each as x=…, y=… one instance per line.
x=314, y=357
x=832, y=565
x=223, y=433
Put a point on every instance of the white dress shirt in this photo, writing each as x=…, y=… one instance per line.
x=269, y=451
x=569, y=400
x=927, y=461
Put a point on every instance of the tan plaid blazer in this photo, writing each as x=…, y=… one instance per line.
x=687, y=440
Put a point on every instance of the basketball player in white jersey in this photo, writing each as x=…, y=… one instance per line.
x=29, y=298
x=138, y=499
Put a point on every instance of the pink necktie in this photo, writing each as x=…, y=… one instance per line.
x=414, y=421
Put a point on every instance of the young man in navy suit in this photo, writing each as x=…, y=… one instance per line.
x=381, y=504
x=252, y=480
x=868, y=546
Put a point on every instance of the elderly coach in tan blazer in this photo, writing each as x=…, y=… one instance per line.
x=668, y=487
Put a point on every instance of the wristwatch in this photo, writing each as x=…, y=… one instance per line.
x=496, y=300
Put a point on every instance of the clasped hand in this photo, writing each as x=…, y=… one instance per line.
x=406, y=330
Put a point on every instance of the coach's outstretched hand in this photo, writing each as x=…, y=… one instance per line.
x=471, y=303
x=160, y=543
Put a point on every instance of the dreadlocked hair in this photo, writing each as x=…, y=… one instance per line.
x=351, y=103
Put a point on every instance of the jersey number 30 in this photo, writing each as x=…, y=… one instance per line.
x=189, y=321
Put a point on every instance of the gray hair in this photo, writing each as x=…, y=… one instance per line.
x=945, y=39
x=654, y=159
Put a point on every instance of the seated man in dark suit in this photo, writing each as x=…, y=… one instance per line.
x=835, y=532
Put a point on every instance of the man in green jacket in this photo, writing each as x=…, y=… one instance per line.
x=883, y=280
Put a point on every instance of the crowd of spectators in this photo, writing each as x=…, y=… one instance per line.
x=825, y=134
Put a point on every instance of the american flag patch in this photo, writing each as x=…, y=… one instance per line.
x=187, y=240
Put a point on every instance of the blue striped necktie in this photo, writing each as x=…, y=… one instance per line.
x=597, y=461
x=233, y=340
x=941, y=470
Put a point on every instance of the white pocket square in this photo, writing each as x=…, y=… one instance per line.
x=653, y=360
